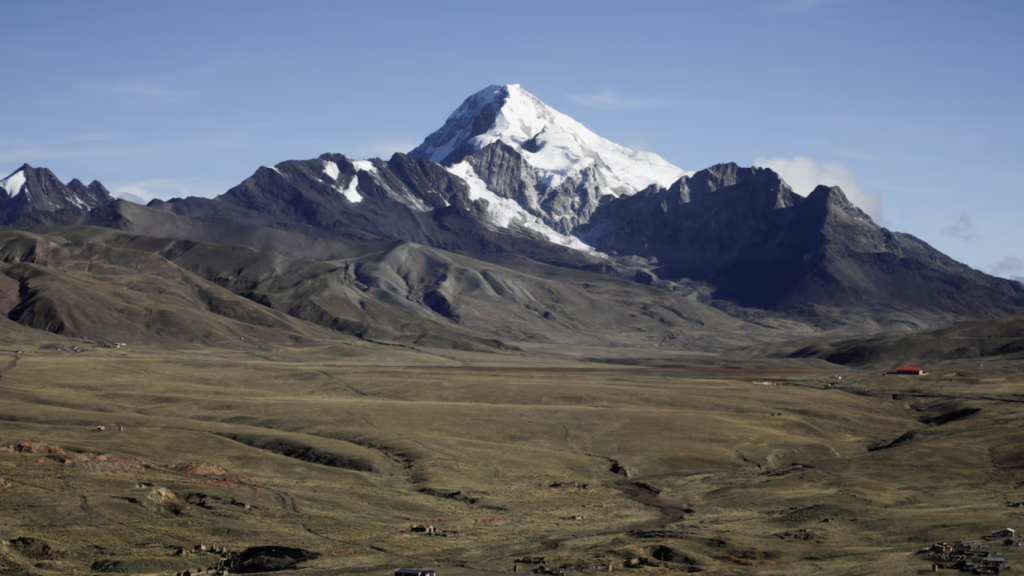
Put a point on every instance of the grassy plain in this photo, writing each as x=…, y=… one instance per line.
x=760, y=467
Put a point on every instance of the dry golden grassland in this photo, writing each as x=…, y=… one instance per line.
x=340, y=450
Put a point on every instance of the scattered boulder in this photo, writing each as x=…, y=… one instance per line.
x=627, y=471
x=37, y=549
x=161, y=495
x=200, y=499
x=108, y=565
x=200, y=469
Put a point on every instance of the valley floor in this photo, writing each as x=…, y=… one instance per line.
x=690, y=464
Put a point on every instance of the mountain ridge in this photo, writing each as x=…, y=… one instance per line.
x=739, y=239
x=30, y=192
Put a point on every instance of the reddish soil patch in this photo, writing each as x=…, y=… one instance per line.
x=200, y=469
x=197, y=472
x=29, y=447
x=102, y=463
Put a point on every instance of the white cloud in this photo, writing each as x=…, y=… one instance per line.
x=1010, y=267
x=963, y=228
x=143, y=191
x=146, y=190
x=131, y=198
x=804, y=174
x=613, y=101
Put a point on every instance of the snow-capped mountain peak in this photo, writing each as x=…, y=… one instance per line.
x=31, y=190
x=555, y=145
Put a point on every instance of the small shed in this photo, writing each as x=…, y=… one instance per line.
x=993, y=562
x=1004, y=533
x=915, y=370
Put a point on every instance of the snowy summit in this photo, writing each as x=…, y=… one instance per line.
x=555, y=145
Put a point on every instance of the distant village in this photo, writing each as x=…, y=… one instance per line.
x=973, y=555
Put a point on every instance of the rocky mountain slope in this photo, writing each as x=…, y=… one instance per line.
x=110, y=294
x=982, y=340
x=744, y=231
x=426, y=246
x=98, y=283
x=36, y=195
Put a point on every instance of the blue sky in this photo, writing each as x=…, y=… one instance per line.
x=916, y=107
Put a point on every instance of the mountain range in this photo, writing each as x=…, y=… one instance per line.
x=511, y=224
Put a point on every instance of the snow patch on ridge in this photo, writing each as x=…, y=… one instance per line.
x=503, y=212
x=365, y=165
x=331, y=169
x=350, y=191
x=14, y=183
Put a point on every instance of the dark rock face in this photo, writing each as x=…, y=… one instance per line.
x=43, y=197
x=460, y=127
x=699, y=223
x=427, y=180
x=94, y=195
x=562, y=207
x=270, y=559
x=394, y=199
x=745, y=232
x=401, y=199
x=506, y=174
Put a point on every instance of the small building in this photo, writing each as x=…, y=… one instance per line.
x=914, y=370
x=1003, y=533
x=992, y=564
x=415, y=572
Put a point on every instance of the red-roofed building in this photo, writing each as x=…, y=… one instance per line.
x=915, y=370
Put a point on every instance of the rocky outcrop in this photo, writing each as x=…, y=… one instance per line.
x=562, y=207
x=745, y=232
x=37, y=196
